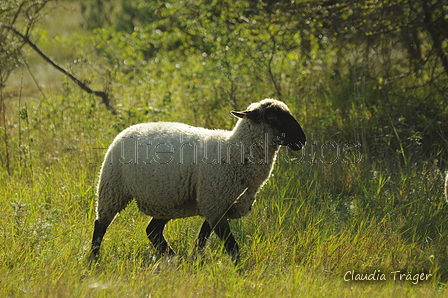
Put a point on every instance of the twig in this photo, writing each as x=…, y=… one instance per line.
x=104, y=96
x=233, y=203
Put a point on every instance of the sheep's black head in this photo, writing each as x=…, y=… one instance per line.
x=275, y=113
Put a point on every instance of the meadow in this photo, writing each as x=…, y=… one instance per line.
x=359, y=212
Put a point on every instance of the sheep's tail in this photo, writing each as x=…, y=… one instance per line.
x=446, y=187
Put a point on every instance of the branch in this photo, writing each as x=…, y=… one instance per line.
x=437, y=34
x=104, y=96
x=271, y=74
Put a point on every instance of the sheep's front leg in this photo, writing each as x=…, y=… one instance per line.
x=204, y=233
x=154, y=231
x=222, y=229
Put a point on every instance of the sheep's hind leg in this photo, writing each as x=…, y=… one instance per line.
x=154, y=231
x=222, y=229
x=98, y=234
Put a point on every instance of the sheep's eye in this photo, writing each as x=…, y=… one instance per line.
x=271, y=118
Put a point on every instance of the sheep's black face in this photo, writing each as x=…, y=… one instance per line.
x=287, y=130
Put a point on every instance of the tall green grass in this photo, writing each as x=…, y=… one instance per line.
x=313, y=221
x=364, y=196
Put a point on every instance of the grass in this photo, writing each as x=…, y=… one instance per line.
x=333, y=208
x=313, y=223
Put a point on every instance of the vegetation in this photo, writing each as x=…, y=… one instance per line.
x=367, y=80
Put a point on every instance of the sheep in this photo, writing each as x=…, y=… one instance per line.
x=173, y=170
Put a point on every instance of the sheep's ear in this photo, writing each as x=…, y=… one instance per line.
x=252, y=115
x=242, y=115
